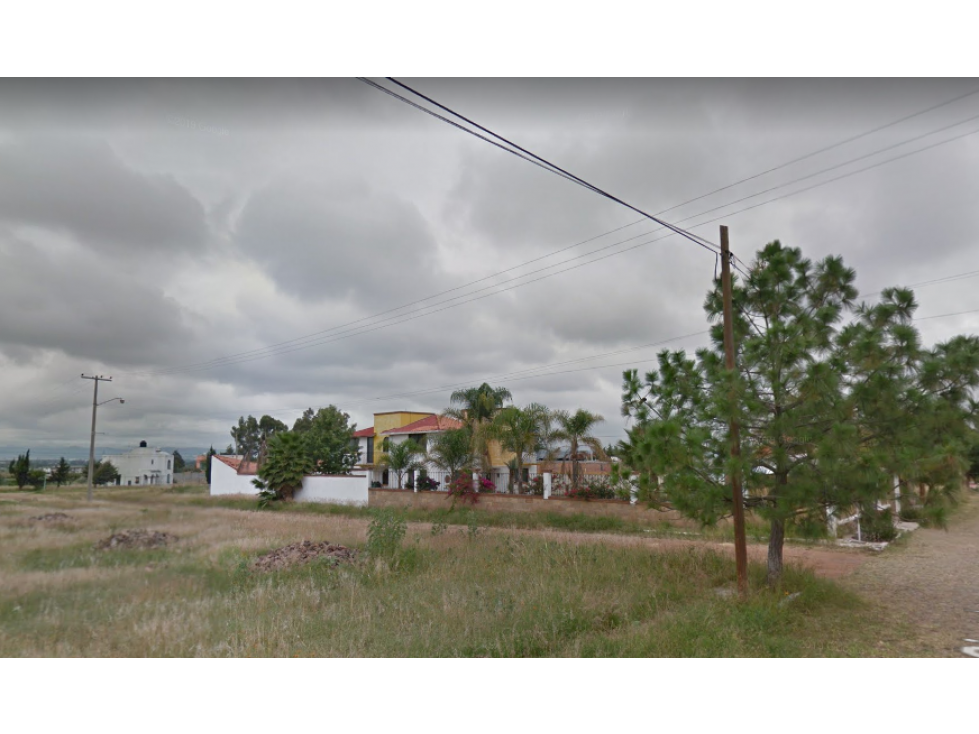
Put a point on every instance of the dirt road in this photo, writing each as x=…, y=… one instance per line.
x=931, y=580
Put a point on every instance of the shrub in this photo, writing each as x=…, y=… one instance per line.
x=462, y=488
x=385, y=533
x=428, y=484
x=536, y=486
x=878, y=527
x=594, y=489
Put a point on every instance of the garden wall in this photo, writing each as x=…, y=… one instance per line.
x=490, y=502
x=342, y=490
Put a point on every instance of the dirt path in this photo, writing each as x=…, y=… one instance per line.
x=930, y=580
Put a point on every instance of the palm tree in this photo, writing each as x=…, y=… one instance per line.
x=451, y=451
x=518, y=431
x=574, y=428
x=401, y=458
x=476, y=407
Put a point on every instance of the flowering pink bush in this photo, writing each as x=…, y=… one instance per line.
x=462, y=488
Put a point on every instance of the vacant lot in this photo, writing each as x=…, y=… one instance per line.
x=189, y=586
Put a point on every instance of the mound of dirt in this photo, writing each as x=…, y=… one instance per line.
x=141, y=539
x=304, y=552
x=51, y=517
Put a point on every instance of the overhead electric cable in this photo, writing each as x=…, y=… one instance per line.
x=557, y=170
x=374, y=327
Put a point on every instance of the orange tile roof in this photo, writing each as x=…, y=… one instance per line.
x=364, y=432
x=236, y=463
x=430, y=424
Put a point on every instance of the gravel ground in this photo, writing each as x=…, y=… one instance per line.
x=929, y=579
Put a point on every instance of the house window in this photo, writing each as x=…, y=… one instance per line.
x=151, y=462
x=168, y=463
x=370, y=450
x=168, y=479
x=137, y=480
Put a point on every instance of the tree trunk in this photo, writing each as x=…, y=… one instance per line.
x=776, y=540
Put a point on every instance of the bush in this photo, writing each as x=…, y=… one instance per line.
x=462, y=488
x=594, y=489
x=878, y=527
x=428, y=484
x=536, y=486
x=385, y=533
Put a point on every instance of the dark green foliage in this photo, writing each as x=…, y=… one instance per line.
x=207, y=464
x=476, y=407
x=451, y=451
x=329, y=440
x=287, y=463
x=401, y=458
x=251, y=435
x=104, y=473
x=385, y=534
x=829, y=414
x=20, y=469
x=178, y=462
x=520, y=432
x=62, y=473
x=575, y=429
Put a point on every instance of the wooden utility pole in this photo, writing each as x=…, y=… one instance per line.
x=740, y=544
x=91, y=445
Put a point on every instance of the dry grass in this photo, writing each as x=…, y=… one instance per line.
x=452, y=594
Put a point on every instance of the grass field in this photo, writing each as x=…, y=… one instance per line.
x=463, y=590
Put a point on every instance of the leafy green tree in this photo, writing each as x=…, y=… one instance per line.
x=179, y=464
x=104, y=473
x=828, y=414
x=62, y=472
x=251, y=436
x=451, y=451
x=401, y=458
x=288, y=461
x=207, y=464
x=518, y=431
x=329, y=440
x=20, y=469
x=476, y=407
x=575, y=429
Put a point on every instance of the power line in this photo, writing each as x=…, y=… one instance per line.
x=943, y=315
x=503, y=377
x=557, y=170
x=393, y=320
x=557, y=252
x=270, y=350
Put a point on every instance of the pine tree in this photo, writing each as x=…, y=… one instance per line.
x=829, y=414
x=62, y=472
x=20, y=469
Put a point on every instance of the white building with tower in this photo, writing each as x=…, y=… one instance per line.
x=143, y=466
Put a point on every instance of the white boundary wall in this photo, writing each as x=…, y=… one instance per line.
x=341, y=490
x=225, y=480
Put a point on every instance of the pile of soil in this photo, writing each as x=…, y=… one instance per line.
x=304, y=552
x=52, y=517
x=129, y=539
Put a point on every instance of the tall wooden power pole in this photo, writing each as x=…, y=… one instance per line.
x=740, y=544
x=91, y=445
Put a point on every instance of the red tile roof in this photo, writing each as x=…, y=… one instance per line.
x=429, y=424
x=236, y=463
x=364, y=432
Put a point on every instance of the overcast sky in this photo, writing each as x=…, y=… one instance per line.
x=151, y=230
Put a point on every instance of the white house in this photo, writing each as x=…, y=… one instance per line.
x=143, y=466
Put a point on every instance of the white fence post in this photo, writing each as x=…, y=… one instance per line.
x=476, y=484
x=633, y=491
x=897, y=497
x=831, y=520
x=547, y=485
